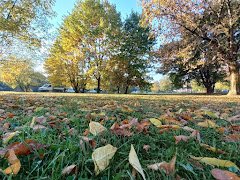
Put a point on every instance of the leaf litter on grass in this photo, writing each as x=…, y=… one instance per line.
x=58, y=123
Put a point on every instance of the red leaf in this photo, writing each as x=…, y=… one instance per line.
x=25, y=148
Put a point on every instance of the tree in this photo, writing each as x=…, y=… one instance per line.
x=23, y=20
x=86, y=41
x=19, y=73
x=66, y=67
x=129, y=67
x=214, y=22
x=165, y=84
x=185, y=60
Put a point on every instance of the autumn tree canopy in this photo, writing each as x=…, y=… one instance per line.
x=214, y=23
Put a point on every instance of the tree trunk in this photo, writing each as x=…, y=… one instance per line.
x=126, y=90
x=98, y=84
x=118, y=90
x=210, y=89
x=234, y=80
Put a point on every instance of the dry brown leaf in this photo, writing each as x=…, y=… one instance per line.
x=232, y=138
x=181, y=138
x=146, y=147
x=168, y=167
x=25, y=148
x=224, y=175
x=119, y=130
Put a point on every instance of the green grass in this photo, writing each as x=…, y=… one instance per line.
x=65, y=148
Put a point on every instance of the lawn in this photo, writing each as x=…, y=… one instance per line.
x=54, y=128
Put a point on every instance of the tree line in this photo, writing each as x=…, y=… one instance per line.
x=194, y=41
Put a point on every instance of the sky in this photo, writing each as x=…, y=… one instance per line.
x=125, y=7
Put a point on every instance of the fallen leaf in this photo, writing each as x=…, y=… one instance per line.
x=146, y=147
x=232, y=138
x=90, y=141
x=215, y=162
x=168, y=167
x=102, y=156
x=213, y=149
x=155, y=122
x=133, y=160
x=15, y=163
x=143, y=126
x=186, y=128
x=39, y=127
x=95, y=128
x=234, y=118
x=181, y=138
x=170, y=126
x=8, y=136
x=211, y=114
x=69, y=169
x=208, y=124
x=116, y=129
x=25, y=148
x=224, y=175
x=41, y=119
x=186, y=117
x=125, y=108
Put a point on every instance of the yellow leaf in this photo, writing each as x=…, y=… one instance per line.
x=211, y=114
x=215, y=162
x=125, y=108
x=213, y=149
x=15, y=163
x=102, y=156
x=208, y=124
x=8, y=136
x=170, y=126
x=155, y=121
x=95, y=128
x=133, y=160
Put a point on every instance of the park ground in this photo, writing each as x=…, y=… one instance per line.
x=57, y=127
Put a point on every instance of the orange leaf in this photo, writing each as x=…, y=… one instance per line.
x=15, y=163
x=224, y=175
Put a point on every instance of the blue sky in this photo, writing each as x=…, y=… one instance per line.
x=64, y=7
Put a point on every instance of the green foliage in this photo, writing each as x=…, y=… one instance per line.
x=130, y=66
x=20, y=73
x=23, y=20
